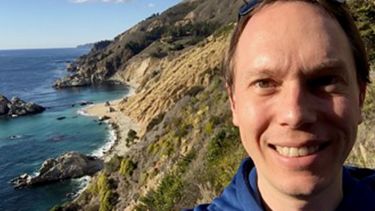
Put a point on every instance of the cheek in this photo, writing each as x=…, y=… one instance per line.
x=346, y=116
x=346, y=113
x=252, y=122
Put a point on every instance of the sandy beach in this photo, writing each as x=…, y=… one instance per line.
x=118, y=121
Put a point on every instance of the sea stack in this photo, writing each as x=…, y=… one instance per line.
x=68, y=165
x=17, y=107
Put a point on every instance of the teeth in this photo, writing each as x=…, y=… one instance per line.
x=296, y=152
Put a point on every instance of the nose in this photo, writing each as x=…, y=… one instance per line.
x=296, y=107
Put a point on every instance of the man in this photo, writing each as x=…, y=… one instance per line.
x=296, y=76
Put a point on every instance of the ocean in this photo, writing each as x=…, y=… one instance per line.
x=25, y=142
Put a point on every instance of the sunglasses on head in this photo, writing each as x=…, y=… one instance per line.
x=250, y=5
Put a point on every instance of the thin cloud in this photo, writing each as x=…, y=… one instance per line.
x=79, y=1
x=103, y=1
x=151, y=5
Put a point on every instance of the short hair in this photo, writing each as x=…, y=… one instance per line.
x=339, y=11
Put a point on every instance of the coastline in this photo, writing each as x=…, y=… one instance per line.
x=118, y=123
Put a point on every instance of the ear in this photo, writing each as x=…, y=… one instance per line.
x=232, y=102
x=362, y=96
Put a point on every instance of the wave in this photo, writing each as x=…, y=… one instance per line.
x=109, y=143
x=82, y=112
x=83, y=184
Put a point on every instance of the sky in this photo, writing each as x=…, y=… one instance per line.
x=28, y=24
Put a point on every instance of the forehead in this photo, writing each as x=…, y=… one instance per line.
x=289, y=34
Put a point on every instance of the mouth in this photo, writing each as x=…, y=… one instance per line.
x=293, y=152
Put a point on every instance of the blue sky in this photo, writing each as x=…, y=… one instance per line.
x=28, y=24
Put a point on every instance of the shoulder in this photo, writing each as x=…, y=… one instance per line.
x=238, y=195
x=363, y=175
x=359, y=189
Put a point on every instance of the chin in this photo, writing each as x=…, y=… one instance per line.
x=305, y=185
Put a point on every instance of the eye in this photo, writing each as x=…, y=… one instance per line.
x=326, y=80
x=264, y=86
x=265, y=83
x=329, y=83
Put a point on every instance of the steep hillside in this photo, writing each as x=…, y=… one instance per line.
x=188, y=149
x=188, y=73
x=187, y=117
x=160, y=35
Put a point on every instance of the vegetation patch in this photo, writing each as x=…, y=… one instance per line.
x=170, y=189
x=127, y=167
x=224, y=152
x=113, y=165
x=364, y=15
x=104, y=189
x=132, y=136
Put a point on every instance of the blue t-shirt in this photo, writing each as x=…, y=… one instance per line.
x=242, y=193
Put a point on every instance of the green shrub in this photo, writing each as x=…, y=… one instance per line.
x=132, y=135
x=103, y=188
x=224, y=152
x=208, y=128
x=170, y=189
x=113, y=165
x=182, y=129
x=210, y=125
x=364, y=15
x=135, y=47
x=166, y=195
x=107, y=200
x=225, y=30
x=127, y=167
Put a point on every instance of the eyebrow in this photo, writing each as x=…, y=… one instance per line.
x=327, y=67
x=330, y=64
x=335, y=66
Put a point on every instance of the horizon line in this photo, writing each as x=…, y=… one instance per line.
x=41, y=48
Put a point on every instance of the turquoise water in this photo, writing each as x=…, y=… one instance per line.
x=25, y=142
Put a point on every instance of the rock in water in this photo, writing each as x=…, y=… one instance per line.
x=69, y=165
x=17, y=107
x=4, y=105
x=72, y=81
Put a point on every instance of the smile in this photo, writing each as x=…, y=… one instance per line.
x=293, y=152
x=296, y=152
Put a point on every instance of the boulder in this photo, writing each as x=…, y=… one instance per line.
x=71, y=67
x=72, y=81
x=84, y=103
x=69, y=165
x=4, y=102
x=17, y=107
x=111, y=109
x=103, y=118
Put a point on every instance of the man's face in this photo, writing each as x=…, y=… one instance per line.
x=295, y=97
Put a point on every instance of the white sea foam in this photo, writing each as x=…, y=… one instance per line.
x=110, y=141
x=111, y=135
x=83, y=184
x=83, y=112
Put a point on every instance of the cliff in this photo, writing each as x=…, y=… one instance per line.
x=188, y=149
x=158, y=36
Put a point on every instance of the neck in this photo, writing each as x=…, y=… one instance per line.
x=325, y=199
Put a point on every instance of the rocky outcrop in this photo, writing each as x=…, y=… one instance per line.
x=4, y=102
x=158, y=36
x=70, y=165
x=17, y=107
x=72, y=81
